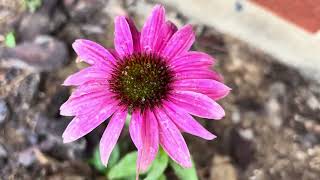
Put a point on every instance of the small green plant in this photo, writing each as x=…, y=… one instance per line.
x=10, y=40
x=95, y=161
x=32, y=5
x=125, y=168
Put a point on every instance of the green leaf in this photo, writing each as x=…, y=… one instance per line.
x=126, y=167
x=162, y=177
x=184, y=173
x=158, y=166
x=10, y=40
x=32, y=5
x=114, y=157
x=96, y=160
x=128, y=119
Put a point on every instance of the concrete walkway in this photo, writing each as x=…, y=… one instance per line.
x=258, y=27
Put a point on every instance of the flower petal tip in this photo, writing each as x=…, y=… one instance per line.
x=187, y=164
x=104, y=161
x=66, y=82
x=159, y=7
x=212, y=137
x=66, y=140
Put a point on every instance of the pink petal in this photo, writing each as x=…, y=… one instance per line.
x=112, y=134
x=166, y=32
x=197, y=74
x=179, y=43
x=82, y=104
x=197, y=104
x=151, y=28
x=89, y=88
x=93, y=53
x=192, y=59
x=88, y=74
x=135, y=35
x=150, y=141
x=172, y=141
x=82, y=125
x=122, y=37
x=114, y=53
x=186, y=122
x=135, y=128
x=214, y=89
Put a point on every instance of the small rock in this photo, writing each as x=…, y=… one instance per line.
x=48, y=19
x=27, y=158
x=242, y=149
x=3, y=152
x=277, y=89
x=66, y=176
x=313, y=103
x=43, y=54
x=222, y=169
x=3, y=155
x=258, y=174
x=246, y=133
x=27, y=90
x=274, y=112
x=236, y=116
x=50, y=131
x=3, y=111
x=33, y=25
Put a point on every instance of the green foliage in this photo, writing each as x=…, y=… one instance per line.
x=125, y=168
x=158, y=167
x=128, y=119
x=184, y=173
x=32, y=5
x=95, y=161
x=10, y=40
x=162, y=177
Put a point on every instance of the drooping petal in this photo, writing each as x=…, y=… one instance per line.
x=150, y=141
x=135, y=128
x=172, y=141
x=122, y=37
x=166, y=32
x=192, y=59
x=112, y=134
x=186, y=122
x=197, y=104
x=88, y=74
x=93, y=53
x=179, y=43
x=82, y=125
x=135, y=35
x=82, y=104
x=214, y=89
x=151, y=28
x=197, y=74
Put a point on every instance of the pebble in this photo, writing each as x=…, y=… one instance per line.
x=44, y=54
x=3, y=111
x=27, y=158
x=3, y=152
x=222, y=169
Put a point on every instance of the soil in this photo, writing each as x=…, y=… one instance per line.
x=272, y=124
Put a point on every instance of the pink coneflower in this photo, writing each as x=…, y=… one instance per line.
x=151, y=75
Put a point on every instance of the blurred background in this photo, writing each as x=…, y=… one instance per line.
x=267, y=51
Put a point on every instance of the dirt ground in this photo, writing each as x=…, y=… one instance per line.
x=271, y=130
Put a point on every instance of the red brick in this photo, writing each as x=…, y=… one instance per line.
x=304, y=13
